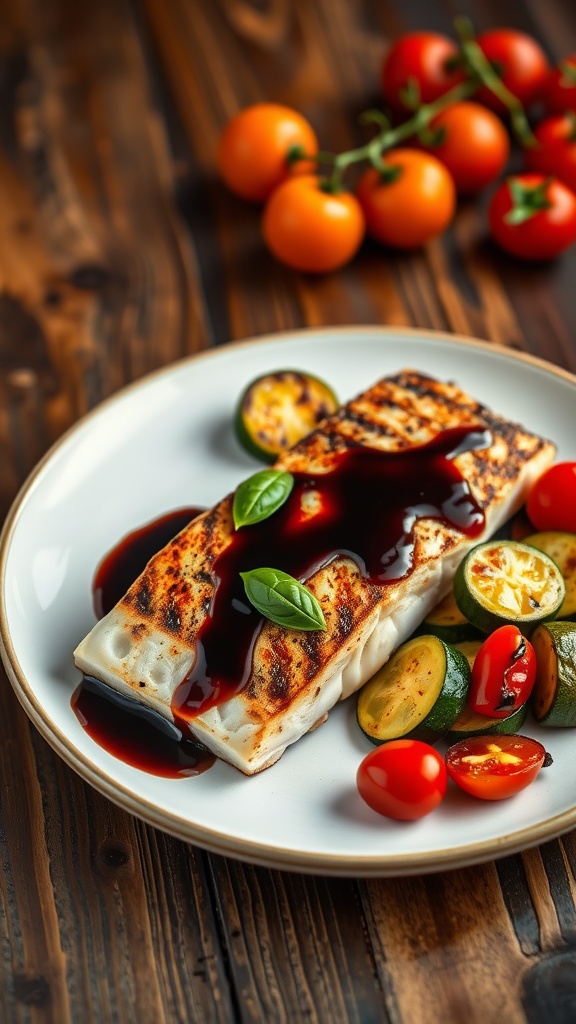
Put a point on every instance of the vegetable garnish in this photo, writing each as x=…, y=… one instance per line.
x=260, y=496
x=495, y=767
x=282, y=599
x=278, y=409
x=561, y=547
x=552, y=501
x=504, y=673
x=503, y=581
x=404, y=779
x=419, y=692
x=554, y=696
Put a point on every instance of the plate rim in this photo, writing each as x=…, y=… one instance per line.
x=216, y=841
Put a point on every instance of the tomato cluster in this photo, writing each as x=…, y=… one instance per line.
x=455, y=108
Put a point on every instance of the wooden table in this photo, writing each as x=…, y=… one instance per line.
x=121, y=252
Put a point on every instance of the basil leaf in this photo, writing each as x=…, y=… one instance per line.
x=260, y=495
x=282, y=599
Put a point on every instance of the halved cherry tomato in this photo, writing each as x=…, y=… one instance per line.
x=403, y=779
x=555, y=153
x=474, y=145
x=417, y=204
x=560, y=87
x=310, y=229
x=551, y=503
x=503, y=674
x=533, y=217
x=494, y=767
x=253, y=150
x=519, y=60
x=427, y=59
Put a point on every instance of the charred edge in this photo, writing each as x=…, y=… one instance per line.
x=203, y=577
x=171, y=618
x=370, y=426
x=311, y=644
x=279, y=685
x=143, y=598
x=345, y=621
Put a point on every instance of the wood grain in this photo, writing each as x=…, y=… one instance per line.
x=121, y=252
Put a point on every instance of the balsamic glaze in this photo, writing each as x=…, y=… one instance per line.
x=136, y=734
x=369, y=504
x=125, y=728
x=367, y=507
x=127, y=559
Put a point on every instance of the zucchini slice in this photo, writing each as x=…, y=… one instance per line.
x=554, y=693
x=470, y=723
x=562, y=548
x=506, y=581
x=469, y=649
x=419, y=692
x=447, y=622
x=278, y=409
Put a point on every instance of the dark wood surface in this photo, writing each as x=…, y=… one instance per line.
x=121, y=252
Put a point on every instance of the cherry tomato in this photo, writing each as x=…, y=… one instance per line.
x=556, y=152
x=560, y=87
x=494, y=767
x=415, y=206
x=519, y=60
x=253, y=150
x=503, y=674
x=310, y=229
x=474, y=145
x=426, y=58
x=403, y=779
x=543, y=223
x=552, y=501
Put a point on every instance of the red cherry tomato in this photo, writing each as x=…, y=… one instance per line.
x=253, y=150
x=426, y=58
x=494, y=767
x=543, y=223
x=503, y=674
x=555, y=153
x=414, y=206
x=310, y=229
x=403, y=779
x=520, y=62
x=560, y=87
x=474, y=145
x=552, y=501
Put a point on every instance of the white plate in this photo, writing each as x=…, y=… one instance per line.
x=166, y=442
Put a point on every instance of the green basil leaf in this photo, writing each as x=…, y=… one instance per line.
x=260, y=495
x=282, y=599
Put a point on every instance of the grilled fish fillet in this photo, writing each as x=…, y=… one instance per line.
x=146, y=645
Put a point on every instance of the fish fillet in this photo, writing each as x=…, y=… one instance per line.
x=147, y=644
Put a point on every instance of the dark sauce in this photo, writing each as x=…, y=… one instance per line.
x=136, y=734
x=125, y=728
x=369, y=504
x=124, y=563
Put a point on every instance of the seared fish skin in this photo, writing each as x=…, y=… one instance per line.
x=147, y=644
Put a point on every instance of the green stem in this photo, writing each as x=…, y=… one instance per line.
x=479, y=66
x=389, y=137
x=478, y=71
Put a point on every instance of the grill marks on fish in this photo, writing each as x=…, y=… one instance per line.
x=296, y=677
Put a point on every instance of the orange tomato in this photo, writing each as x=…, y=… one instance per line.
x=310, y=229
x=413, y=207
x=253, y=150
x=475, y=145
